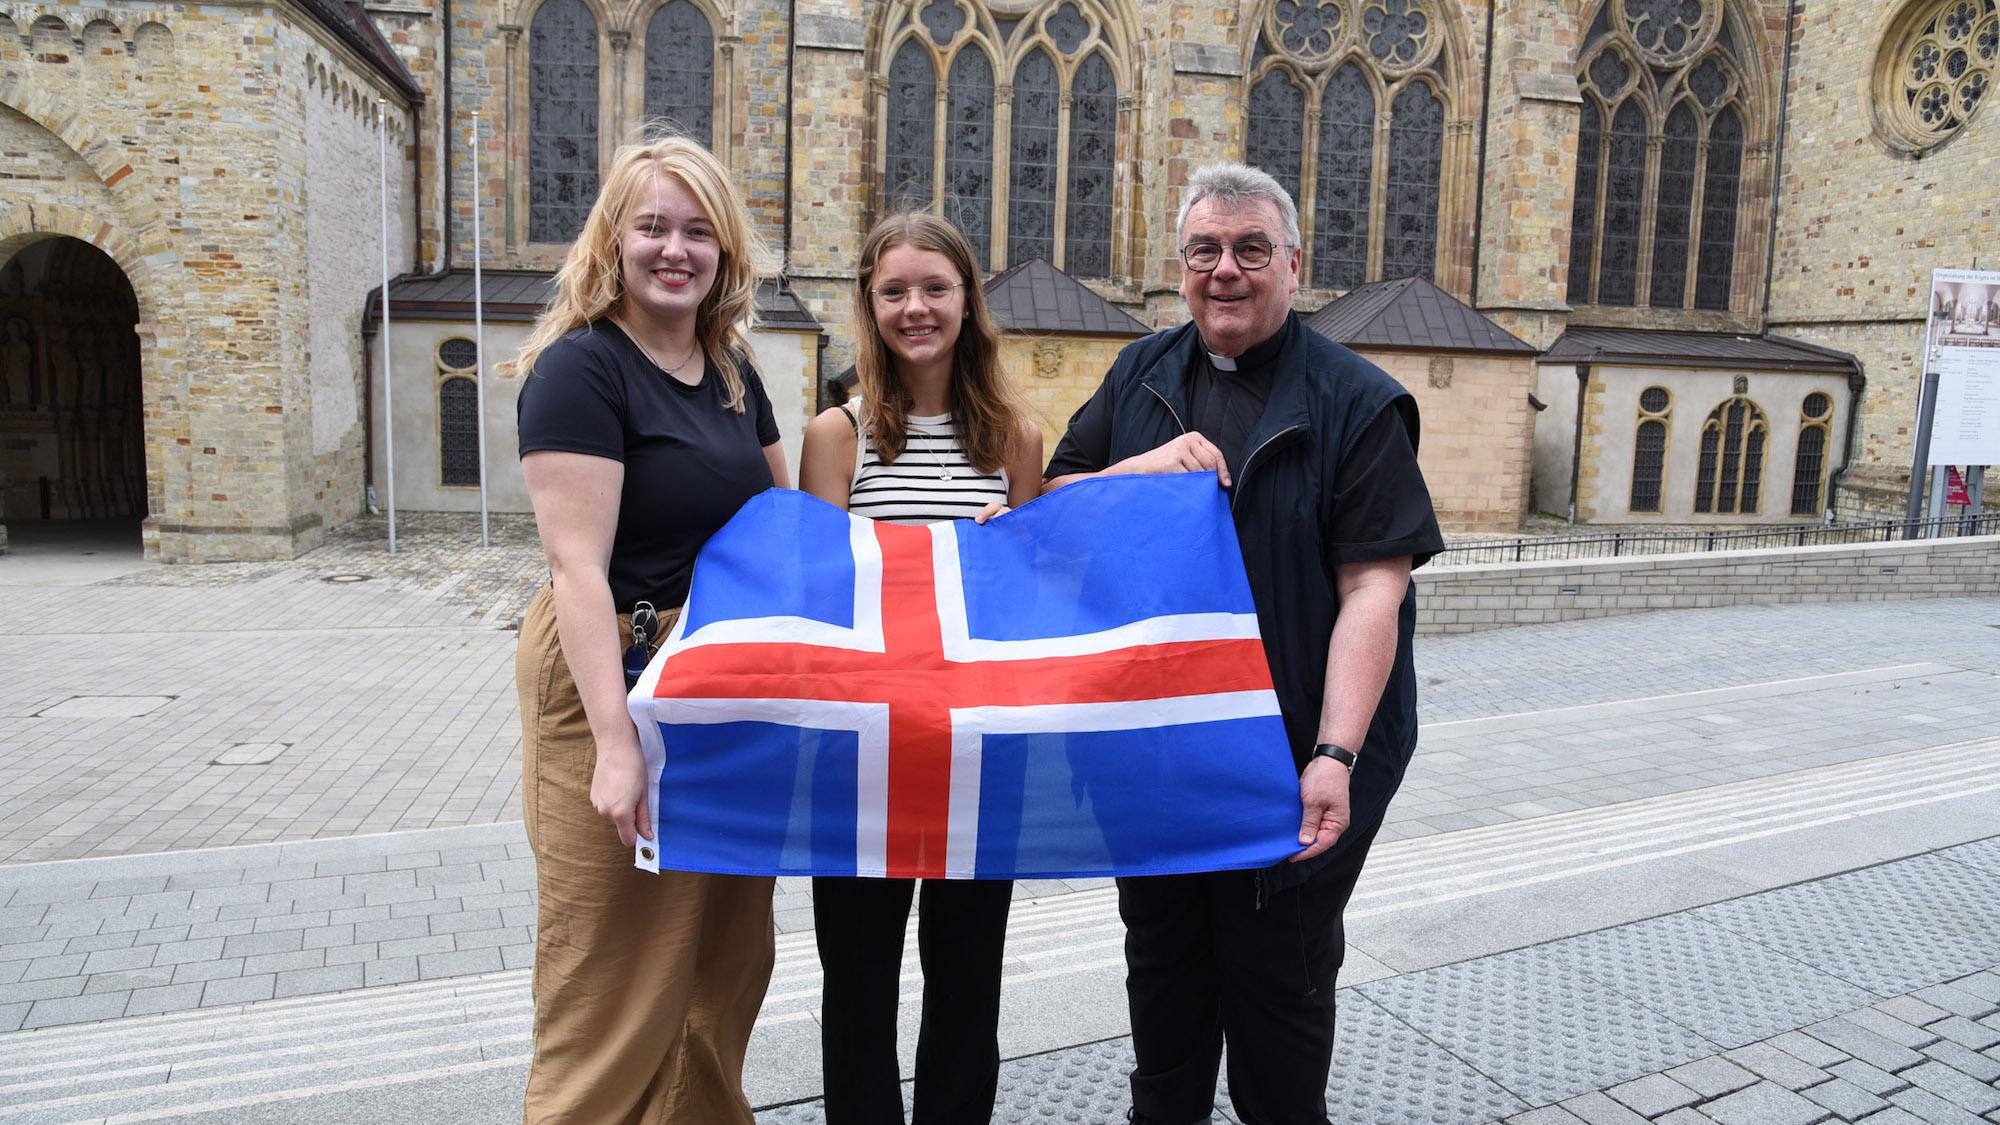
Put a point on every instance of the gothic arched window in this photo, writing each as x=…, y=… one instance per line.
x=1368, y=179
x=562, y=120
x=1023, y=114
x=1730, y=472
x=1809, y=466
x=458, y=413
x=1649, y=448
x=1654, y=220
x=680, y=70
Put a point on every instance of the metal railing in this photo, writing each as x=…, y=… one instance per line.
x=1618, y=544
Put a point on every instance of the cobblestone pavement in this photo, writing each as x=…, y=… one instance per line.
x=1715, y=865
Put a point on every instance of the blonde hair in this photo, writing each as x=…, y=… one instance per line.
x=591, y=285
x=985, y=410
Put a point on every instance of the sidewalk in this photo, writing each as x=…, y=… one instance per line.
x=1729, y=865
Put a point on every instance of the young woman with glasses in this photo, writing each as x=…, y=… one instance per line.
x=937, y=434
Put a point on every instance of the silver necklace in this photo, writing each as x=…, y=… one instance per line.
x=655, y=360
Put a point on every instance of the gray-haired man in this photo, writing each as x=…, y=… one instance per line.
x=1318, y=449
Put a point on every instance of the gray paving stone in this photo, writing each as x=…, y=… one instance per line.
x=11, y=1016
x=114, y=960
x=416, y=947
x=163, y=998
x=1912, y=1009
x=159, y=903
x=208, y=970
x=76, y=1009
x=1891, y=1028
x=1407, y=1074
x=1712, y=1077
x=466, y=920
x=45, y=968
x=284, y=962
x=212, y=929
x=1806, y=1049
x=1965, y=1032
x=1596, y=1109
x=1980, y=1066
x=292, y=890
x=253, y=910
x=276, y=941
x=1959, y=1089
x=1932, y=1109
x=389, y=970
x=1863, y=1044
x=237, y=990
x=1765, y=1103
x=1844, y=1098
x=160, y=935
x=1893, y=1116
x=334, y=978
x=1653, y=1095
x=92, y=943
x=434, y=965
x=174, y=953
x=483, y=939
x=129, y=979
x=391, y=929
x=1775, y=1065
x=36, y=990
x=1547, y=1115
x=237, y=895
x=352, y=954
x=1985, y=985
x=29, y=950
x=1685, y=1117
x=1957, y=1001
x=1868, y=1076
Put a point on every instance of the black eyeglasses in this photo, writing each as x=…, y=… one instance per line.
x=1250, y=254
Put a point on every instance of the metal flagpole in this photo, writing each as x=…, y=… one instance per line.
x=388, y=376
x=479, y=334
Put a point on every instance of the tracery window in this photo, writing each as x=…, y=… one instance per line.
x=1006, y=126
x=458, y=413
x=562, y=119
x=1654, y=219
x=1934, y=70
x=1730, y=470
x=1370, y=207
x=1809, y=466
x=1649, y=449
x=680, y=70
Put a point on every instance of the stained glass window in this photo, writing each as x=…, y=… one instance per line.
x=1624, y=190
x=1671, y=69
x=562, y=120
x=1583, y=210
x=1277, y=123
x=1807, y=468
x=968, y=150
x=1648, y=462
x=1063, y=85
x=458, y=432
x=680, y=70
x=1671, y=212
x=1731, y=469
x=1718, y=212
x=1416, y=158
x=1345, y=174
x=1031, y=190
x=1940, y=64
x=909, y=172
x=458, y=353
x=1092, y=135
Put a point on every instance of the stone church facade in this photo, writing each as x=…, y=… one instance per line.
x=1724, y=168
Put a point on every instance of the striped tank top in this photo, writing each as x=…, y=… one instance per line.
x=931, y=480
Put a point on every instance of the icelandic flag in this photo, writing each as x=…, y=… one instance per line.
x=1075, y=688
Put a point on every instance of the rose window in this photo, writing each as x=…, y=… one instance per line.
x=1939, y=70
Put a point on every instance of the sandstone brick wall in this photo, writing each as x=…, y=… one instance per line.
x=1463, y=599
x=1861, y=225
x=1056, y=374
x=1478, y=433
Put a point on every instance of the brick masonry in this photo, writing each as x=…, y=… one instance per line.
x=1464, y=599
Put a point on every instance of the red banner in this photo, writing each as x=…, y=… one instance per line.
x=1954, y=487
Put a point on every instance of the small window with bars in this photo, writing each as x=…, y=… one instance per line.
x=1649, y=449
x=458, y=413
x=1809, y=466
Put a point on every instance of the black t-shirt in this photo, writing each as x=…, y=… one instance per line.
x=1381, y=510
x=690, y=462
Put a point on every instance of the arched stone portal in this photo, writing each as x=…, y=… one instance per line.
x=72, y=430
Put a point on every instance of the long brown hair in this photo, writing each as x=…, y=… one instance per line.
x=590, y=285
x=985, y=409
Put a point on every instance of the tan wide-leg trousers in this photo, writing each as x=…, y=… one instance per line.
x=645, y=986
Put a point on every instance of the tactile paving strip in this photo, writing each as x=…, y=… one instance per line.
x=1890, y=929
x=1983, y=854
x=1711, y=980
x=1539, y=1028
x=1384, y=1072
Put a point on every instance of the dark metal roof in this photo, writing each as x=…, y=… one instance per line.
x=517, y=297
x=1037, y=297
x=350, y=24
x=1411, y=313
x=1636, y=347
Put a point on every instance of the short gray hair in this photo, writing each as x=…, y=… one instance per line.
x=1231, y=185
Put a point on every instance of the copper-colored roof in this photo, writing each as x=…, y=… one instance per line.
x=1411, y=313
x=517, y=297
x=1037, y=297
x=1639, y=347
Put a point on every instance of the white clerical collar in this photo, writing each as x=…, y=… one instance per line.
x=1222, y=362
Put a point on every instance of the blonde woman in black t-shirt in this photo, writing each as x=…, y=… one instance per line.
x=939, y=434
x=643, y=429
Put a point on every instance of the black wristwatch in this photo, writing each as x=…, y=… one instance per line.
x=1335, y=751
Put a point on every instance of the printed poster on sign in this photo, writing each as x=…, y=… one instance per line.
x=1962, y=338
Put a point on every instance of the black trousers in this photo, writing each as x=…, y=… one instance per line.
x=1205, y=964
x=961, y=933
